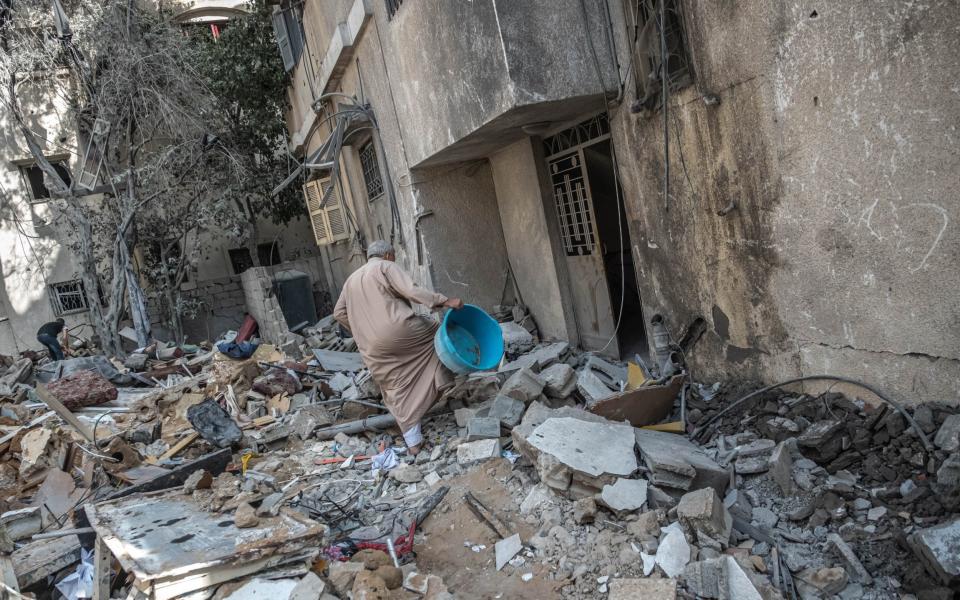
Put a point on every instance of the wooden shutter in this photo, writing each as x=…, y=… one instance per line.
x=313, y=194
x=283, y=40
x=336, y=223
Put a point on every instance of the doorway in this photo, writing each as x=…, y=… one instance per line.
x=596, y=240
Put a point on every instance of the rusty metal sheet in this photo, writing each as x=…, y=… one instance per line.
x=644, y=406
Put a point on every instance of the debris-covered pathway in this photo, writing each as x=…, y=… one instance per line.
x=559, y=475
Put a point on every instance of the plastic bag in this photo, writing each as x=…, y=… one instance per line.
x=79, y=584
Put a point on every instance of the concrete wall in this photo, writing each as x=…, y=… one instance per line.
x=31, y=255
x=434, y=204
x=468, y=74
x=836, y=138
x=531, y=253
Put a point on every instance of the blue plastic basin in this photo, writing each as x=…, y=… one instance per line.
x=469, y=340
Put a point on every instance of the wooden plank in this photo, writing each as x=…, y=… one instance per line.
x=175, y=449
x=101, y=571
x=64, y=413
x=37, y=560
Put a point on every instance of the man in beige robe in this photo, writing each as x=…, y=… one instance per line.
x=396, y=344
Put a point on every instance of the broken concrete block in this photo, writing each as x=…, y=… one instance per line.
x=625, y=495
x=853, y=565
x=471, y=452
x=405, y=473
x=673, y=553
x=702, y=578
x=308, y=419
x=524, y=385
x=516, y=339
x=506, y=549
x=507, y=410
x=764, y=517
x=540, y=358
x=820, y=433
x=781, y=467
x=23, y=523
x=824, y=582
x=676, y=462
x=703, y=513
x=483, y=428
x=648, y=589
x=948, y=436
x=738, y=504
x=592, y=453
x=753, y=458
x=310, y=587
x=432, y=478
x=559, y=380
x=539, y=496
x=647, y=525
x=343, y=574
x=592, y=387
x=584, y=511
x=245, y=517
x=613, y=376
x=83, y=388
x=463, y=415
x=736, y=583
x=938, y=548
x=136, y=362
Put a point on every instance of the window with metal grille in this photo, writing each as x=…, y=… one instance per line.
x=392, y=7
x=33, y=176
x=573, y=205
x=371, y=171
x=68, y=297
x=645, y=17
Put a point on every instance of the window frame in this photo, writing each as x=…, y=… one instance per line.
x=61, y=163
x=370, y=164
x=56, y=297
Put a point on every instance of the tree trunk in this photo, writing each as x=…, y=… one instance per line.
x=254, y=234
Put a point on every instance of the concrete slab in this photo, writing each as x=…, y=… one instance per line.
x=560, y=380
x=938, y=548
x=673, y=553
x=506, y=549
x=676, y=462
x=594, y=449
x=592, y=387
x=625, y=495
x=483, y=428
x=471, y=452
x=703, y=513
x=948, y=436
x=524, y=385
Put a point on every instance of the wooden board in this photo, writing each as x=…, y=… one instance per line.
x=64, y=413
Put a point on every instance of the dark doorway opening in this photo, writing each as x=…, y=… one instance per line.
x=614, y=239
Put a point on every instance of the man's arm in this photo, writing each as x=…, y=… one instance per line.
x=340, y=310
x=403, y=285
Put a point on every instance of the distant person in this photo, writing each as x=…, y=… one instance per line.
x=396, y=343
x=47, y=335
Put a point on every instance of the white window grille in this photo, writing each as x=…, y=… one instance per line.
x=371, y=171
x=574, y=208
x=68, y=297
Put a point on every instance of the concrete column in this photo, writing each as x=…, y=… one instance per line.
x=530, y=231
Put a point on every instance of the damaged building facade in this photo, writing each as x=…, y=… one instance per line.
x=792, y=212
x=39, y=276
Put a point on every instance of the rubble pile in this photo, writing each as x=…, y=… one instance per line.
x=182, y=472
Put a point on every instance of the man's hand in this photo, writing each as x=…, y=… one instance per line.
x=454, y=303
